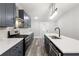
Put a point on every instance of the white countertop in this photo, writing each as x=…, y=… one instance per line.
x=65, y=44
x=26, y=31
x=7, y=43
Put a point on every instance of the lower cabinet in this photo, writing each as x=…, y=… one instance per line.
x=46, y=42
x=28, y=41
x=20, y=48
x=16, y=50
x=51, y=49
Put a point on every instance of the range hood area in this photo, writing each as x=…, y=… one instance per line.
x=19, y=23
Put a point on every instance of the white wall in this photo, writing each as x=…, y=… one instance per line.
x=41, y=27
x=69, y=23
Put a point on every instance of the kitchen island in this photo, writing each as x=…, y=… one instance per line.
x=8, y=43
x=64, y=46
x=14, y=46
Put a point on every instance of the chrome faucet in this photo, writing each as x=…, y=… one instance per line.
x=58, y=29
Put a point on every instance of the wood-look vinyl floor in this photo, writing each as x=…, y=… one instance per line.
x=36, y=48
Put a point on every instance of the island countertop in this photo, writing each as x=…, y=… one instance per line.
x=6, y=43
x=65, y=44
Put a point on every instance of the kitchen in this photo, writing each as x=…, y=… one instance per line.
x=39, y=29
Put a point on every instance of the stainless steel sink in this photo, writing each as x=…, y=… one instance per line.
x=55, y=37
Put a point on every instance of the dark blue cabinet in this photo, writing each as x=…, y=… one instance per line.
x=7, y=14
x=51, y=48
x=16, y=50
x=28, y=41
x=2, y=14
x=21, y=47
x=27, y=19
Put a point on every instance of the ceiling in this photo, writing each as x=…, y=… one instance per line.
x=42, y=9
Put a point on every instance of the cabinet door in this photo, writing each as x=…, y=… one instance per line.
x=16, y=50
x=21, y=14
x=27, y=20
x=9, y=14
x=52, y=51
x=28, y=41
x=46, y=44
x=20, y=49
x=14, y=13
x=2, y=14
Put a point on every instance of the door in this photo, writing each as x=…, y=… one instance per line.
x=2, y=14
x=9, y=14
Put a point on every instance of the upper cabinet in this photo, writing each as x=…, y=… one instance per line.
x=10, y=14
x=7, y=14
x=26, y=18
x=2, y=14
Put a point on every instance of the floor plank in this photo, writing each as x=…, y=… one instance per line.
x=36, y=48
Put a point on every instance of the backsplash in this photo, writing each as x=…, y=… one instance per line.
x=40, y=28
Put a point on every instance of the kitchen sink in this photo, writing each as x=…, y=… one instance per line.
x=55, y=37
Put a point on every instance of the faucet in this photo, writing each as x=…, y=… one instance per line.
x=58, y=29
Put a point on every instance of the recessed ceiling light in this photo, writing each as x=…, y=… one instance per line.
x=36, y=17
